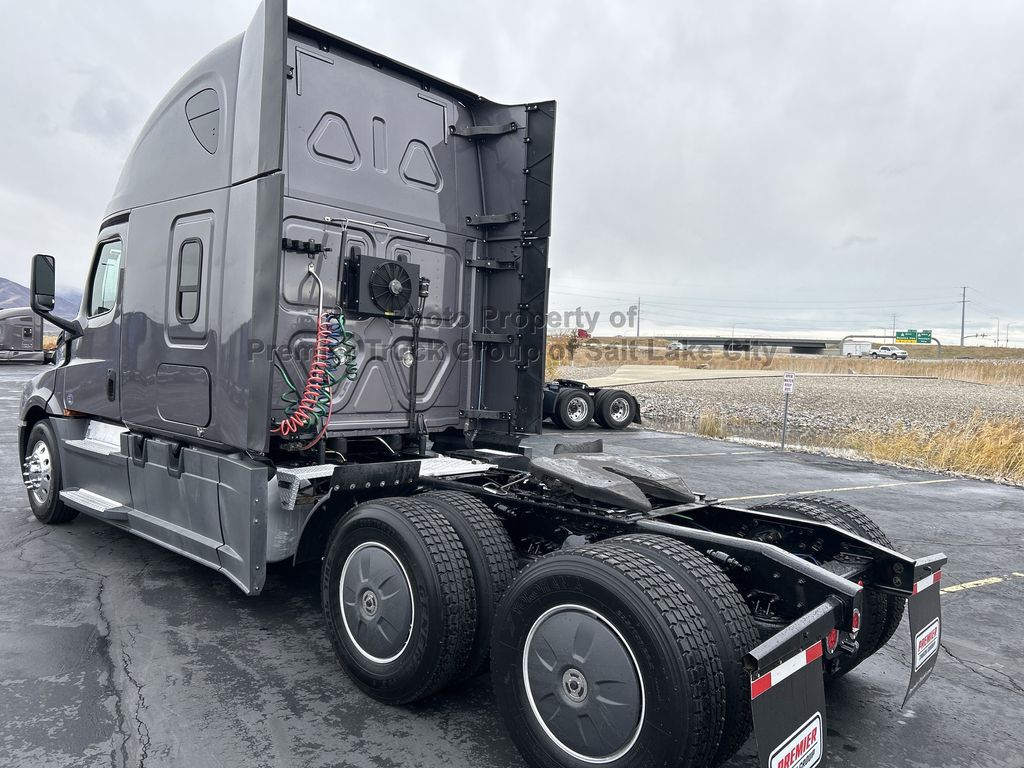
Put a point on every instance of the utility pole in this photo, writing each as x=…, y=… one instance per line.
x=963, y=314
x=894, y=328
x=638, y=317
x=997, y=331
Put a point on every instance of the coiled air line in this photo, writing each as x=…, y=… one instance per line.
x=333, y=350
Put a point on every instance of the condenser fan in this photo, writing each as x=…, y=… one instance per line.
x=390, y=287
x=375, y=286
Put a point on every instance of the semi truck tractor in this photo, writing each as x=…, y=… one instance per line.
x=313, y=331
x=21, y=336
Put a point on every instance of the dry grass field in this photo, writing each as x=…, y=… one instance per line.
x=991, y=448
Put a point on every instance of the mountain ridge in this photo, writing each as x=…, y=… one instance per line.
x=14, y=294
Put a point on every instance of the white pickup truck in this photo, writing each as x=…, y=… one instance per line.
x=887, y=350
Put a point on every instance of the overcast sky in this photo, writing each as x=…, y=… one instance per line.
x=785, y=166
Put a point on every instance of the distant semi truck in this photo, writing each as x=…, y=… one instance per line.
x=21, y=336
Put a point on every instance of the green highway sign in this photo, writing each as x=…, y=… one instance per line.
x=913, y=337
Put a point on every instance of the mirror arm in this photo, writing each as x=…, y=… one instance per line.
x=72, y=328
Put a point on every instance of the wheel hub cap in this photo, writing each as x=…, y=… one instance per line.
x=583, y=684
x=577, y=409
x=575, y=684
x=376, y=602
x=37, y=472
x=619, y=409
x=369, y=604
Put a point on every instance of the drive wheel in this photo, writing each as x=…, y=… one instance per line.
x=895, y=356
x=601, y=658
x=614, y=409
x=492, y=560
x=728, y=619
x=574, y=409
x=398, y=595
x=860, y=523
x=41, y=471
x=882, y=613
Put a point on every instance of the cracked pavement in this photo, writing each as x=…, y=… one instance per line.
x=115, y=652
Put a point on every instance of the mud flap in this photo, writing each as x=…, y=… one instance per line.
x=925, y=631
x=788, y=704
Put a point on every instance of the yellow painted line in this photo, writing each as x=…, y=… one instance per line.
x=1019, y=575
x=839, y=490
x=971, y=585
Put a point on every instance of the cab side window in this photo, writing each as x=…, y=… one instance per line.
x=106, y=276
x=190, y=270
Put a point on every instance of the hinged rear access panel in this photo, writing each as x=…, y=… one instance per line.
x=515, y=223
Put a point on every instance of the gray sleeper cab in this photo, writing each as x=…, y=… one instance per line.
x=313, y=329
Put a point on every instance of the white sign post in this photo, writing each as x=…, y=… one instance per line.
x=788, y=385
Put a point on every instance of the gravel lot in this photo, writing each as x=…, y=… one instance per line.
x=827, y=404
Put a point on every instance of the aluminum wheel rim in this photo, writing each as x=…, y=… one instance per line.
x=582, y=693
x=576, y=409
x=619, y=409
x=39, y=472
x=377, y=607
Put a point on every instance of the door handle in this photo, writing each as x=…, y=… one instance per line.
x=111, y=386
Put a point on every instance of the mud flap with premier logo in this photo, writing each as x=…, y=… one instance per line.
x=788, y=705
x=925, y=631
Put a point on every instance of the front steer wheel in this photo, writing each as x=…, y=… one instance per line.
x=600, y=657
x=399, y=600
x=41, y=470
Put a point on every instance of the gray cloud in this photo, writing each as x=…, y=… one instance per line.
x=711, y=156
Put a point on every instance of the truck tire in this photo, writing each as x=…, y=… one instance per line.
x=600, y=657
x=397, y=592
x=574, y=409
x=614, y=409
x=863, y=525
x=881, y=615
x=41, y=470
x=728, y=619
x=492, y=559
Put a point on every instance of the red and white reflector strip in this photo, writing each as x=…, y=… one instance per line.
x=927, y=581
x=793, y=664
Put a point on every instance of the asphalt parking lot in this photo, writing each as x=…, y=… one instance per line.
x=116, y=652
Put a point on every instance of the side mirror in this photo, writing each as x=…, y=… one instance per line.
x=43, y=290
x=43, y=294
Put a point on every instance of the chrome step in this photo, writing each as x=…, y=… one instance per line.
x=95, y=505
x=100, y=438
x=89, y=445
